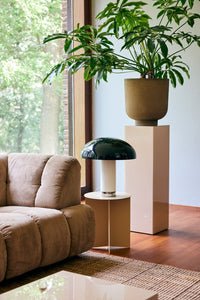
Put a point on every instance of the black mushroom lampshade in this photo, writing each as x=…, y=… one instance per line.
x=108, y=150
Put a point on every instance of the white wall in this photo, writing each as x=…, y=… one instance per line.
x=109, y=120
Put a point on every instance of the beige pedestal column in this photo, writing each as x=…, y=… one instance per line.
x=147, y=178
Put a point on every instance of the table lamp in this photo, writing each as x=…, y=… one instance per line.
x=108, y=150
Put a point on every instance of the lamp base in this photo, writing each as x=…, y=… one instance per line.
x=108, y=177
x=109, y=194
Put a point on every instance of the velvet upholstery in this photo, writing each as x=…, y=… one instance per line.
x=41, y=218
x=24, y=177
x=23, y=243
x=53, y=231
x=60, y=183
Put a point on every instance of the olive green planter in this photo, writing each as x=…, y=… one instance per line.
x=146, y=100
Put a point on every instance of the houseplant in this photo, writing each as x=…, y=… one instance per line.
x=149, y=50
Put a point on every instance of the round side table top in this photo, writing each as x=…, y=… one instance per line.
x=100, y=196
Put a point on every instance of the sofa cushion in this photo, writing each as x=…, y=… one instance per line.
x=53, y=229
x=23, y=243
x=60, y=183
x=24, y=177
x=3, y=258
x=3, y=178
x=41, y=180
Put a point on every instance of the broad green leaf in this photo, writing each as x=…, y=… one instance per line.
x=160, y=28
x=86, y=73
x=191, y=3
x=124, y=2
x=183, y=69
x=177, y=41
x=168, y=38
x=191, y=22
x=67, y=44
x=136, y=3
x=161, y=13
x=196, y=16
x=179, y=76
x=151, y=45
x=60, y=69
x=157, y=3
x=165, y=75
x=183, y=2
x=176, y=19
x=164, y=48
x=99, y=75
x=172, y=78
x=105, y=75
x=54, y=37
x=116, y=28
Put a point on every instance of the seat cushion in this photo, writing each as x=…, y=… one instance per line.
x=23, y=243
x=34, y=237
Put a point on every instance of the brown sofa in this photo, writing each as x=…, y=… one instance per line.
x=42, y=220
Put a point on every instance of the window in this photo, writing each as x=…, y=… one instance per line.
x=53, y=119
x=30, y=113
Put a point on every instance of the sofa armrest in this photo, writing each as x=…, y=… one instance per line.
x=82, y=227
x=60, y=183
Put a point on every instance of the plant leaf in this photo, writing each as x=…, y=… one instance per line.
x=191, y=3
x=151, y=45
x=183, y=2
x=172, y=78
x=179, y=76
x=163, y=47
x=54, y=36
x=191, y=22
x=86, y=73
x=67, y=44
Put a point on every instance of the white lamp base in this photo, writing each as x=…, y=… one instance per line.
x=108, y=177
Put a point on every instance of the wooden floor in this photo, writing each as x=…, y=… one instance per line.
x=178, y=246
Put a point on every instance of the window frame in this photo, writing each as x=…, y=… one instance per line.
x=82, y=102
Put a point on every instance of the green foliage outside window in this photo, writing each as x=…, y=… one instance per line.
x=23, y=63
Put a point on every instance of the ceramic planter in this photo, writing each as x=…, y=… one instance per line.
x=146, y=100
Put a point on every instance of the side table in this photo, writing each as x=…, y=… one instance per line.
x=112, y=219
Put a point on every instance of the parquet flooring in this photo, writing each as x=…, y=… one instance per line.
x=178, y=246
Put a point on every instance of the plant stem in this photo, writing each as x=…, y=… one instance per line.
x=146, y=56
x=183, y=49
x=179, y=27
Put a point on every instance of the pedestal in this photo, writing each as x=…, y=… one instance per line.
x=112, y=219
x=147, y=178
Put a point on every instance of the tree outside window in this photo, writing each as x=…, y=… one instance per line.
x=31, y=114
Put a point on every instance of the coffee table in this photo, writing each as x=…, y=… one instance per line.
x=65, y=285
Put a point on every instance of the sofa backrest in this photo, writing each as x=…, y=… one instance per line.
x=51, y=181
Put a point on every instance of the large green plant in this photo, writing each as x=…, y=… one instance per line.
x=151, y=50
